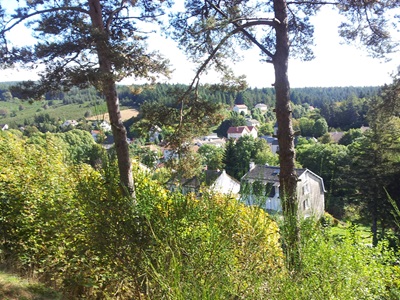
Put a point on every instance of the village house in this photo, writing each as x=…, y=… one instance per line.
x=237, y=132
x=272, y=143
x=261, y=106
x=69, y=123
x=252, y=122
x=3, y=127
x=213, y=180
x=240, y=108
x=260, y=186
x=105, y=126
x=211, y=139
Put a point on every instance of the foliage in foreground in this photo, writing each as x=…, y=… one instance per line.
x=71, y=227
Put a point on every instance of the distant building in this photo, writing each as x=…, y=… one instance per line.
x=69, y=123
x=240, y=108
x=252, y=122
x=336, y=136
x=154, y=134
x=237, y=132
x=3, y=127
x=215, y=181
x=105, y=126
x=272, y=143
x=261, y=106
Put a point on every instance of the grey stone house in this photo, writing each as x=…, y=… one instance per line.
x=260, y=186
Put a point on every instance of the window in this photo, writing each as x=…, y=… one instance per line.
x=306, y=188
x=306, y=204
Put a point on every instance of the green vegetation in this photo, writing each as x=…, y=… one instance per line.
x=25, y=112
x=71, y=227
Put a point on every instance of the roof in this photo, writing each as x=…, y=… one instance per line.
x=238, y=129
x=270, y=139
x=267, y=173
x=258, y=105
x=271, y=174
x=250, y=128
x=336, y=136
x=241, y=105
x=210, y=179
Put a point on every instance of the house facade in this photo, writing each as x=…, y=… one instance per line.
x=240, y=108
x=261, y=106
x=260, y=186
x=272, y=143
x=69, y=123
x=252, y=122
x=237, y=132
x=105, y=126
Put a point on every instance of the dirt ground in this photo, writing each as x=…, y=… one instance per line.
x=126, y=114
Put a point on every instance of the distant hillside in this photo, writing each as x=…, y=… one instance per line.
x=76, y=103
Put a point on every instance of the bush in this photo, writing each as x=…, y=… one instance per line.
x=211, y=248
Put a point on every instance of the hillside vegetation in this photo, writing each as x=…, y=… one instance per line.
x=72, y=227
x=77, y=104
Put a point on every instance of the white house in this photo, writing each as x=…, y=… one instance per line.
x=261, y=106
x=253, y=131
x=240, y=108
x=272, y=143
x=214, y=181
x=260, y=186
x=3, y=127
x=69, y=122
x=237, y=132
x=105, y=126
x=252, y=122
x=225, y=184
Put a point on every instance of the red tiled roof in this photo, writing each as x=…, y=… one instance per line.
x=239, y=129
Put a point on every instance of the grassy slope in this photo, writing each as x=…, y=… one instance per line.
x=13, y=287
x=58, y=110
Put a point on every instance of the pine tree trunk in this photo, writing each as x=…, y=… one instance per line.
x=287, y=176
x=108, y=87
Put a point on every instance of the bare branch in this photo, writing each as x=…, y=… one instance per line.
x=245, y=32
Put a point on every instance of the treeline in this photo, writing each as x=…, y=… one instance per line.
x=169, y=94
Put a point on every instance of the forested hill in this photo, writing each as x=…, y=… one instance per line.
x=167, y=93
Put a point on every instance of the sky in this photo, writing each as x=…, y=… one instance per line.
x=335, y=64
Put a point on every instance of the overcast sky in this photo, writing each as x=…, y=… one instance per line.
x=334, y=65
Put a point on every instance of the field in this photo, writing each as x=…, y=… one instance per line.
x=126, y=114
x=22, y=113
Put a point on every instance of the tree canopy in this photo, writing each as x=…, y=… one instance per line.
x=84, y=43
